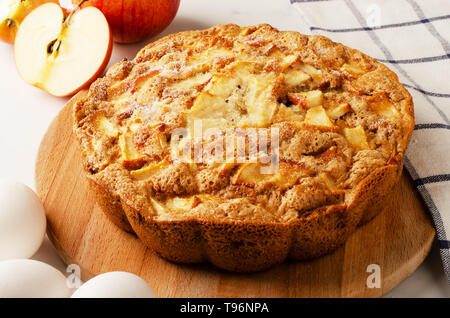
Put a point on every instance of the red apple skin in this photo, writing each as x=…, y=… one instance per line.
x=8, y=33
x=134, y=20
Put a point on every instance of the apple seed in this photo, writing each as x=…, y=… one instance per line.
x=10, y=23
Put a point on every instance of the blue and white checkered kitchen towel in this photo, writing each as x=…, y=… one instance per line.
x=412, y=38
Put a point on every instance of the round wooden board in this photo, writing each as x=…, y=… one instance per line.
x=397, y=240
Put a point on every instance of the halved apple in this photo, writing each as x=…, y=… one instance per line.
x=62, y=55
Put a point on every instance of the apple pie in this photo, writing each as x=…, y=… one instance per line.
x=169, y=147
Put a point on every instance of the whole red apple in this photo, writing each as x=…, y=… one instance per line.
x=134, y=20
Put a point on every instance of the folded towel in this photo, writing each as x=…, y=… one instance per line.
x=412, y=38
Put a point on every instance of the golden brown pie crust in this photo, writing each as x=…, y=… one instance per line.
x=341, y=146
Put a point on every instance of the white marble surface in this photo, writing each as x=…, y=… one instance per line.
x=26, y=112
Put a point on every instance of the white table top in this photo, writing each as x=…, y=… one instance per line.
x=26, y=112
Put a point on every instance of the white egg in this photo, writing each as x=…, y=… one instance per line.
x=22, y=221
x=115, y=285
x=23, y=278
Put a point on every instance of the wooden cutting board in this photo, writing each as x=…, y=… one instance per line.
x=397, y=240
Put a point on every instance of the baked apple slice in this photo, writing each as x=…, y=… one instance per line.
x=382, y=105
x=317, y=117
x=150, y=170
x=307, y=99
x=339, y=111
x=252, y=174
x=352, y=70
x=357, y=138
x=131, y=158
x=105, y=126
x=312, y=71
x=296, y=77
x=328, y=181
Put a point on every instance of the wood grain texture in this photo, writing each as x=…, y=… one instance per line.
x=397, y=240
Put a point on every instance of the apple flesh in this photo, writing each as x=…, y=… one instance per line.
x=62, y=55
x=12, y=13
x=134, y=20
